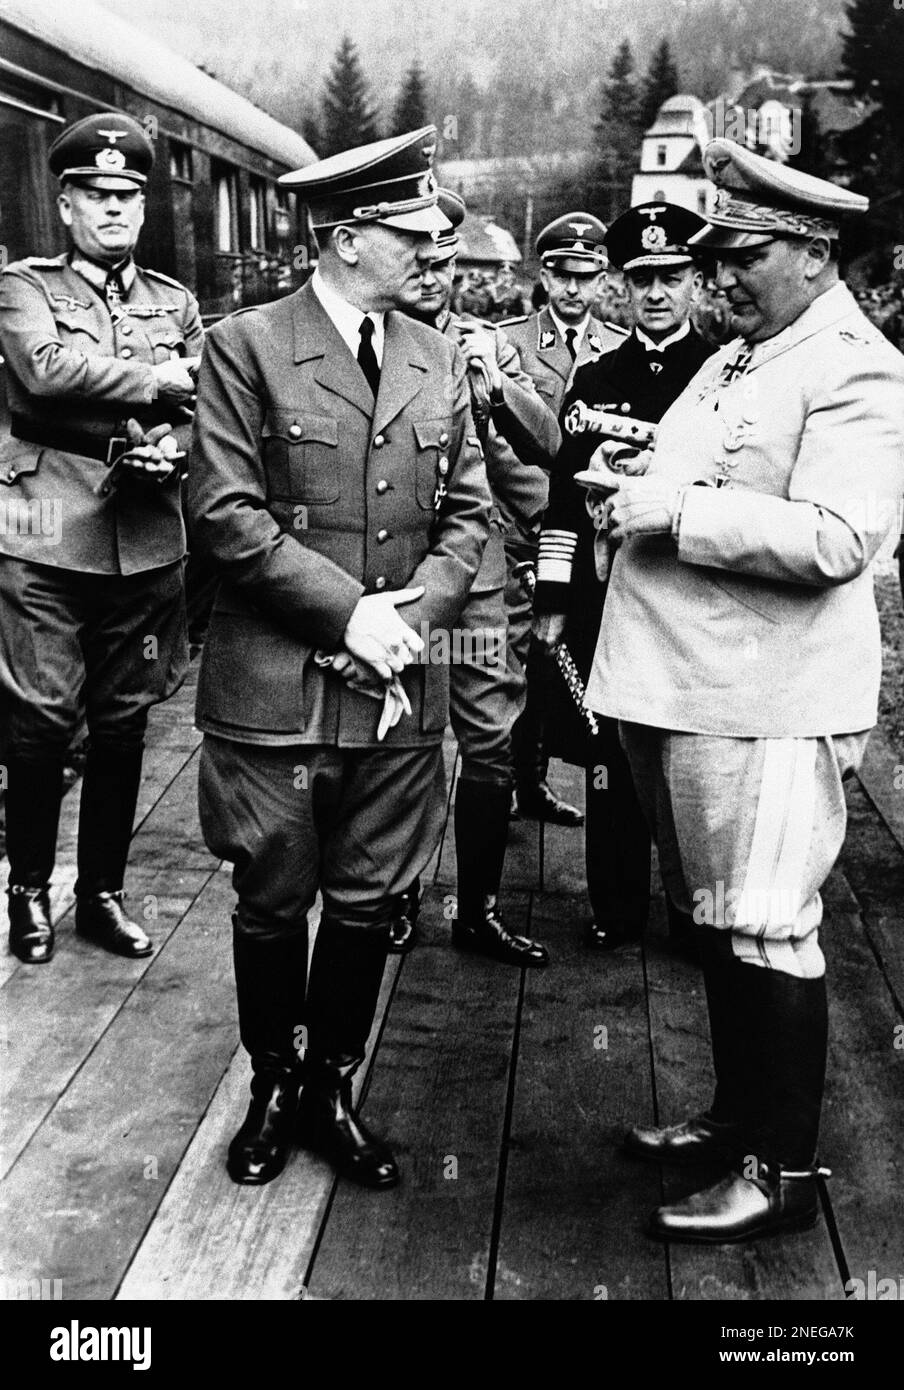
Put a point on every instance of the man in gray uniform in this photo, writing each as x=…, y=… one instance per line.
x=520, y=438
x=98, y=353
x=336, y=487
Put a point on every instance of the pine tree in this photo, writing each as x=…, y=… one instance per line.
x=411, y=104
x=661, y=82
x=348, y=117
x=874, y=60
x=619, y=132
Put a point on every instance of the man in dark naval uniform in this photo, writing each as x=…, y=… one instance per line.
x=552, y=344
x=520, y=439
x=640, y=380
x=337, y=487
x=99, y=355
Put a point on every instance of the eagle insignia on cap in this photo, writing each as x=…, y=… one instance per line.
x=579, y=228
x=110, y=159
x=112, y=135
x=653, y=238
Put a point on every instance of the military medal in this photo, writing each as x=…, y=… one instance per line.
x=442, y=468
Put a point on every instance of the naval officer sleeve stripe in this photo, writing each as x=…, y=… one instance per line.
x=556, y=557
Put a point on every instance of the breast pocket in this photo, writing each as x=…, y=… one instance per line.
x=432, y=463
x=77, y=328
x=547, y=385
x=301, y=456
x=165, y=342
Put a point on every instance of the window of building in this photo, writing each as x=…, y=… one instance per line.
x=180, y=161
x=257, y=211
x=661, y=154
x=226, y=206
x=286, y=213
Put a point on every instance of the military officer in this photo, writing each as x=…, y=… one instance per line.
x=740, y=650
x=640, y=379
x=551, y=344
x=99, y=353
x=520, y=438
x=337, y=487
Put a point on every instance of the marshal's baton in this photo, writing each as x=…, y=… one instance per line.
x=524, y=573
x=584, y=419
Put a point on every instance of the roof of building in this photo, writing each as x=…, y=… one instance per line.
x=481, y=239
x=99, y=39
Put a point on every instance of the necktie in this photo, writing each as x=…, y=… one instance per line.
x=570, y=335
x=367, y=358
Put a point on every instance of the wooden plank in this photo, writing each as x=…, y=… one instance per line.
x=573, y=1203
x=873, y=864
x=83, y=1191
x=438, y=1092
x=212, y=1239
x=863, y=1117
x=799, y=1266
x=882, y=778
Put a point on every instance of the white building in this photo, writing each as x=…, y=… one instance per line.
x=671, y=168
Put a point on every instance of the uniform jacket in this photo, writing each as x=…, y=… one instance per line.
x=305, y=495
x=69, y=367
x=760, y=620
x=640, y=385
x=544, y=354
x=520, y=439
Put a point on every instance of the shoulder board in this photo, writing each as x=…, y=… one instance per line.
x=472, y=318
x=510, y=323
x=167, y=279
x=39, y=263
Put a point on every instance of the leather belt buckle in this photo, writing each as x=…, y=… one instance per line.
x=116, y=447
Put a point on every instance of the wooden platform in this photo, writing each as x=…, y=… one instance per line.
x=123, y=1082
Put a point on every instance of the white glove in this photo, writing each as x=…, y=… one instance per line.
x=642, y=506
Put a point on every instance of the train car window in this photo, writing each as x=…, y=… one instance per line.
x=257, y=212
x=226, y=205
x=30, y=120
x=31, y=97
x=181, y=161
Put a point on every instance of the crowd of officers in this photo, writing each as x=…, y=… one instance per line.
x=368, y=467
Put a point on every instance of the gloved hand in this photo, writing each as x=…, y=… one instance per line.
x=642, y=506
x=358, y=675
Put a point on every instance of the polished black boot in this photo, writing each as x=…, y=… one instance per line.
x=270, y=979
x=717, y=1135
x=616, y=847
x=535, y=799
x=30, y=927
x=346, y=974
x=33, y=794
x=403, y=926
x=101, y=919
x=481, y=837
x=683, y=936
x=328, y=1125
x=781, y=1024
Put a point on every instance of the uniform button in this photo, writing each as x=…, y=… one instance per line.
x=11, y=475
x=126, y=352
x=380, y=582
x=379, y=441
x=295, y=431
x=382, y=486
x=443, y=440
x=382, y=535
x=125, y=330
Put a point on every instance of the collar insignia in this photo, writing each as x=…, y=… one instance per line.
x=547, y=339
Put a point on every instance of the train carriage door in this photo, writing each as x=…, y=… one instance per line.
x=181, y=168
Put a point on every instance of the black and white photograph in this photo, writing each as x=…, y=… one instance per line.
x=452, y=667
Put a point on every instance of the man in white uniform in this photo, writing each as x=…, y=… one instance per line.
x=740, y=651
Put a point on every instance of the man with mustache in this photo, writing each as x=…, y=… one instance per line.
x=338, y=490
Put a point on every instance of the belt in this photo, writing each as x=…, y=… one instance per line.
x=93, y=446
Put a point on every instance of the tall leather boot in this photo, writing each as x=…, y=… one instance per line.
x=269, y=980
x=346, y=974
x=110, y=786
x=481, y=837
x=716, y=1135
x=536, y=799
x=617, y=849
x=33, y=795
x=775, y=1185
